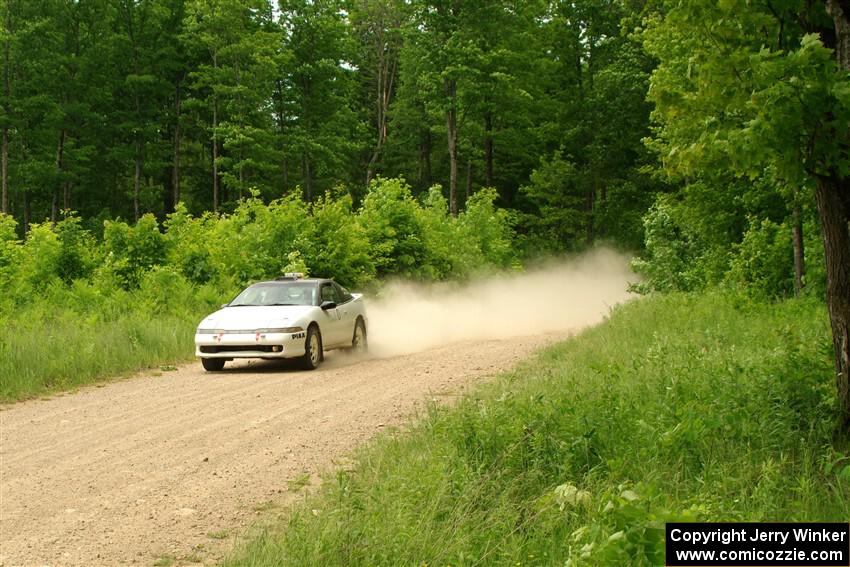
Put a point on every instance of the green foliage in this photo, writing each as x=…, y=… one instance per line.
x=488, y=230
x=206, y=102
x=446, y=251
x=724, y=412
x=295, y=263
x=188, y=246
x=559, y=214
x=668, y=261
x=41, y=250
x=763, y=263
x=76, y=250
x=253, y=242
x=336, y=244
x=815, y=276
x=9, y=253
x=719, y=230
x=390, y=218
x=132, y=250
x=751, y=114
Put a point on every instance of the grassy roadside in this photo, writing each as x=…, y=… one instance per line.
x=68, y=353
x=73, y=336
x=680, y=407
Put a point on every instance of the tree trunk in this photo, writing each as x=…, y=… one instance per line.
x=175, y=148
x=7, y=92
x=386, y=72
x=425, y=177
x=241, y=173
x=4, y=166
x=832, y=195
x=281, y=124
x=54, y=205
x=468, y=191
x=26, y=211
x=215, y=142
x=590, y=199
x=137, y=180
x=799, y=247
x=215, y=158
x=840, y=12
x=370, y=167
x=379, y=113
x=150, y=185
x=488, y=149
x=451, y=131
x=307, y=176
x=834, y=214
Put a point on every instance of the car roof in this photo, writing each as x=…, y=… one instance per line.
x=284, y=281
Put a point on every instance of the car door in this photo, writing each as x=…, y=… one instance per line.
x=331, y=325
x=347, y=313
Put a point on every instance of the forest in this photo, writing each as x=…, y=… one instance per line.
x=117, y=108
x=710, y=138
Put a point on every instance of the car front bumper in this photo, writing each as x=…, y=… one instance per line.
x=250, y=345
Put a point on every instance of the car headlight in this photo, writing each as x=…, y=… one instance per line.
x=282, y=330
x=206, y=332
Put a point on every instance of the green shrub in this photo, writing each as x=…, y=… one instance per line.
x=189, y=241
x=132, y=250
x=39, y=260
x=9, y=256
x=254, y=242
x=763, y=263
x=667, y=262
x=444, y=246
x=389, y=216
x=815, y=276
x=165, y=290
x=488, y=230
x=555, y=194
x=77, y=250
x=336, y=245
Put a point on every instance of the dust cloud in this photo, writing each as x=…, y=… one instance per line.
x=556, y=298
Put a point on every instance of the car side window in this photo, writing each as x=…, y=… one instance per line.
x=328, y=293
x=342, y=293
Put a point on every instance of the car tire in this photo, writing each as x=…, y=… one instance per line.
x=312, y=348
x=212, y=364
x=359, y=340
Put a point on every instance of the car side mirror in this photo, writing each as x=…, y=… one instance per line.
x=327, y=305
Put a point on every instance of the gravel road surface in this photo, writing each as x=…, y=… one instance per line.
x=177, y=466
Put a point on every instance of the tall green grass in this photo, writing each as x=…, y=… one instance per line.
x=71, y=352
x=79, y=334
x=682, y=407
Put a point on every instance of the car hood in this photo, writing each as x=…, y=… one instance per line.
x=251, y=317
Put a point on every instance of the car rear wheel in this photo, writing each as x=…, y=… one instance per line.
x=212, y=364
x=359, y=342
x=312, y=349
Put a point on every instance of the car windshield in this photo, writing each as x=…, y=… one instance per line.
x=277, y=293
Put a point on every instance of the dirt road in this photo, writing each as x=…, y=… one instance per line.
x=175, y=466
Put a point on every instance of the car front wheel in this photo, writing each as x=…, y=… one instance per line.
x=312, y=349
x=212, y=364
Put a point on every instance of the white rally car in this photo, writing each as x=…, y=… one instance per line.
x=290, y=317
